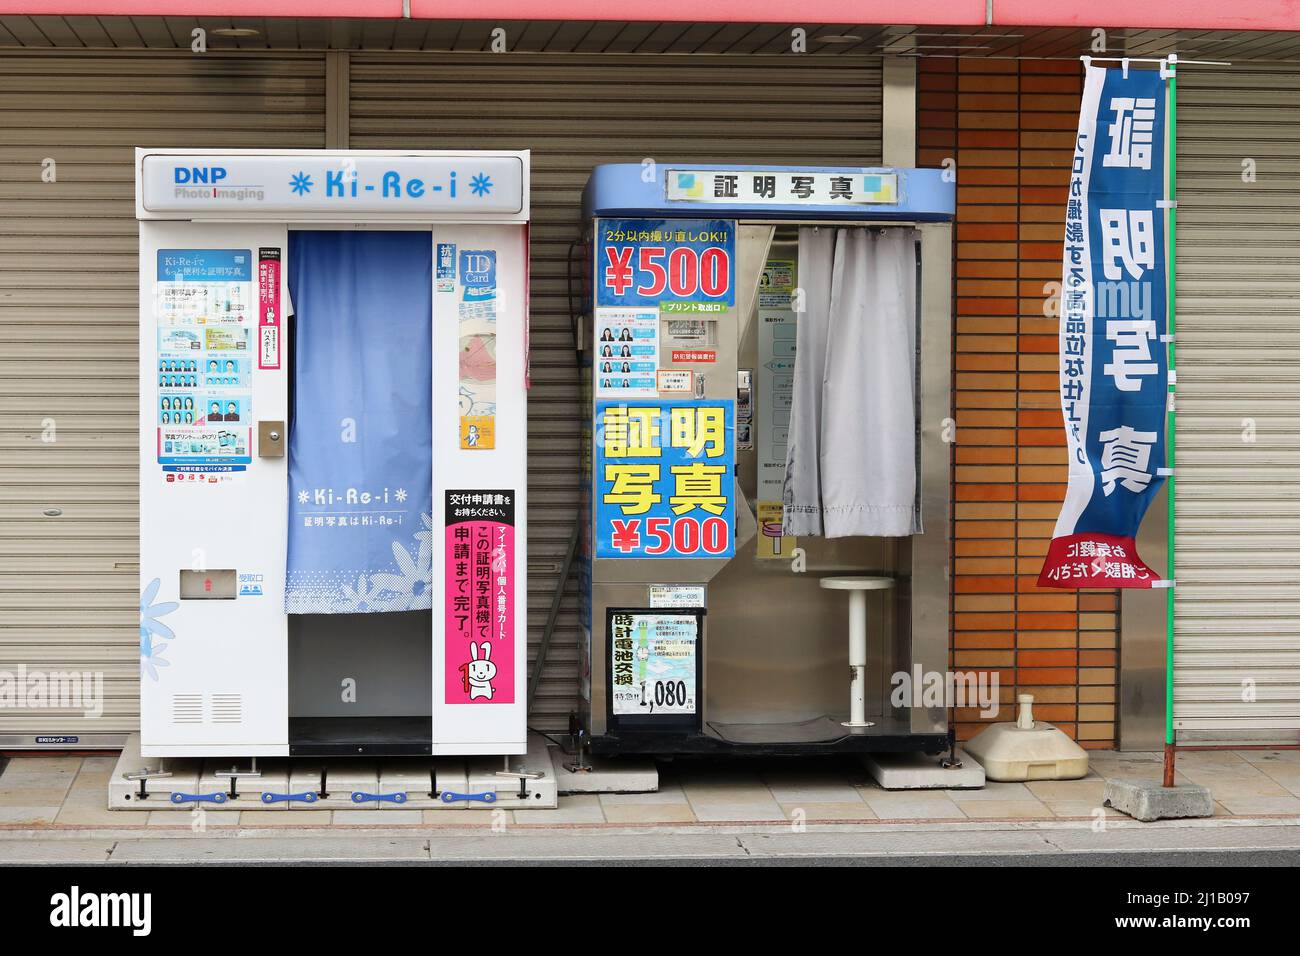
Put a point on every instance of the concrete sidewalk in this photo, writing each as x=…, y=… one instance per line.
x=54, y=809
x=1055, y=843
x=72, y=791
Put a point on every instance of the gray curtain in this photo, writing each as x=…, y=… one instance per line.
x=851, y=460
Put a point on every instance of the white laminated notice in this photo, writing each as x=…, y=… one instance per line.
x=677, y=595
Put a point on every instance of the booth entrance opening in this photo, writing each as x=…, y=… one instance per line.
x=766, y=533
x=333, y=444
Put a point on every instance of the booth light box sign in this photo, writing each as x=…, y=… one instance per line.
x=781, y=187
x=665, y=484
x=648, y=270
x=473, y=185
x=646, y=262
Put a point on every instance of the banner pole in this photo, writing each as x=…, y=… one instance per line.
x=1171, y=213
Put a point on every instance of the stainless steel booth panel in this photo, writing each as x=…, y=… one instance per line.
x=775, y=644
x=931, y=560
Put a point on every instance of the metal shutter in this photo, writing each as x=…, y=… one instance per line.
x=69, y=592
x=1237, y=604
x=575, y=112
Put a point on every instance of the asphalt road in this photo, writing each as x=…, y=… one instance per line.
x=1159, y=859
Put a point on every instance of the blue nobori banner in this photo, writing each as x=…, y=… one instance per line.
x=1114, y=367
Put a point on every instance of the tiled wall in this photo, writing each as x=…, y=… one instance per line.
x=1009, y=126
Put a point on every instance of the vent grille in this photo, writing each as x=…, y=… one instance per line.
x=187, y=709
x=221, y=709
x=227, y=708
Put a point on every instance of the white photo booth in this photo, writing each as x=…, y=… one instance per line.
x=333, y=422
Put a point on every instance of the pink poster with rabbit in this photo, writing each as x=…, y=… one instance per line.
x=480, y=597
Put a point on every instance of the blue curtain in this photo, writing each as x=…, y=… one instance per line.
x=360, y=461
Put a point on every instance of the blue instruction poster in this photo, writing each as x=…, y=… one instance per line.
x=204, y=310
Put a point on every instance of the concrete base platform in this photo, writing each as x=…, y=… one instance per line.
x=917, y=771
x=155, y=792
x=607, y=774
x=1147, y=800
x=440, y=783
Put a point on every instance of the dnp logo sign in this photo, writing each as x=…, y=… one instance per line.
x=199, y=175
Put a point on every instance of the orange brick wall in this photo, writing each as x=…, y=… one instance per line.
x=1009, y=126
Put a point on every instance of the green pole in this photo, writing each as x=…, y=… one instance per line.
x=1171, y=212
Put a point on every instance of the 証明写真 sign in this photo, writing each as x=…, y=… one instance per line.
x=665, y=485
x=1113, y=362
x=782, y=187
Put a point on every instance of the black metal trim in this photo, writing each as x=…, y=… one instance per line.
x=669, y=744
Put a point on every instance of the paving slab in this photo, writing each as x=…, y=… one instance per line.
x=795, y=787
x=55, y=851
x=758, y=811
x=1091, y=787
x=26, y=765
x=994, y=791
x=1083, y=809
x=815, y=812
x=633, y=813
x=28, y=816
x=1209, y=759
x=578, y=808
x=469, y=819
x=1005, y=809
x=1261, y=757
x=1261, y=806
x=670, y=794
x=277, y=819
x=1248, y=782
x=91, y=809
x=37, y=780
x=914, y=805
x=376, y=818
x=20, y=797
x=195, y=821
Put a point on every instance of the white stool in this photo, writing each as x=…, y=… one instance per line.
x=857, y=588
